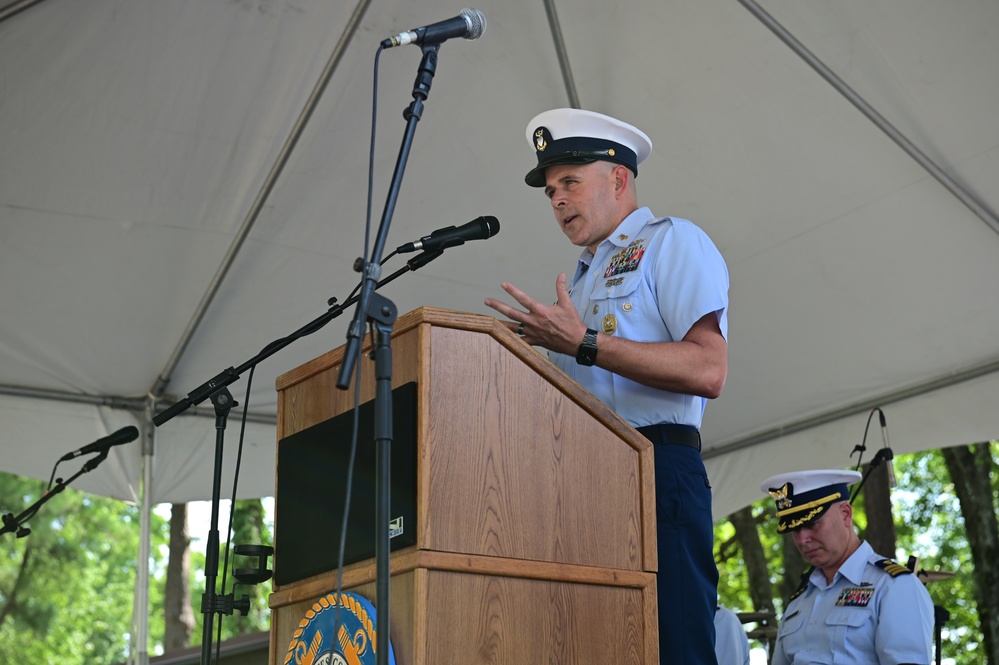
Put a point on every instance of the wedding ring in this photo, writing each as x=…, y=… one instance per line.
x=520, y=329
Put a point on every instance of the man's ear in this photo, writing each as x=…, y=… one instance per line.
x=622, y=177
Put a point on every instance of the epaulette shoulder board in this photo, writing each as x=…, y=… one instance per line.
x=893, y=568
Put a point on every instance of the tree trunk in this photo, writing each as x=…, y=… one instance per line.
x=970, y=468
x=760, y=591
x=794, y=566
x=880, y=531
x=177, y=598
x=10, y=595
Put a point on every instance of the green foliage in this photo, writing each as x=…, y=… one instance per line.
x=66, y=589
x=733, y=584
x=929, y=524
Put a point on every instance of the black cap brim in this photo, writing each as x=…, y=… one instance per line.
x=536, y=176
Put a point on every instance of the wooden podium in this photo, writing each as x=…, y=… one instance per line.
x=535, y=537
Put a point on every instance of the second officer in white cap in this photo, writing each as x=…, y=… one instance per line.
x=855, y=606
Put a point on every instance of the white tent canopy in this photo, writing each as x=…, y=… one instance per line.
x=178, y=188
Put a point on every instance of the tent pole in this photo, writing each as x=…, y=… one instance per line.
x=16, y=8
x=563, y=55
x=139, y=642
x=121, y=403
x=898, y=137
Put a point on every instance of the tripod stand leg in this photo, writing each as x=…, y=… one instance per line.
x=940, y=616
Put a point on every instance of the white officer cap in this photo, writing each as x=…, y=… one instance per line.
x=574, y=136
x=804, y=496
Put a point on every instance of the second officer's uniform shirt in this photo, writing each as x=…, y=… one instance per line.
x=865, y=616
x=650, y=281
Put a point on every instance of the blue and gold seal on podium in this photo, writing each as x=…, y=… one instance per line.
x=336, y=630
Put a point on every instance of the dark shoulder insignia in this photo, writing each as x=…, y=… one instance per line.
x=892, y=568
x=801, y=587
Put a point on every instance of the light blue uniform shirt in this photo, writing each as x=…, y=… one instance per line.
x=653, y=279
x=731, y=641
x=880, y=619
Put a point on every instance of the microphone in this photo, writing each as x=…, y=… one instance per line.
x=124, y=435
x=450, y=236
x=892, y=483
x=469, y=23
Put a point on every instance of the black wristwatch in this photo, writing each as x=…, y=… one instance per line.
x=587, y=352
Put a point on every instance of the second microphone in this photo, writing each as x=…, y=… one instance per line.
x=452, y=236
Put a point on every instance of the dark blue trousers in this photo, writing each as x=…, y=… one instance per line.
x=688, y=577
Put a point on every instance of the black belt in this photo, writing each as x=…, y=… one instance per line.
x=669, y=434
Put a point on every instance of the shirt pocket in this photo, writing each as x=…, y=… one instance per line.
x=853, y=617
x=620, y=306
x=617, y=286
x=790, y=633
x=852, y=627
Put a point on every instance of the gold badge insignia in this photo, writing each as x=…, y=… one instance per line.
x=539, y=139
x=609, y=324
x=780, y=496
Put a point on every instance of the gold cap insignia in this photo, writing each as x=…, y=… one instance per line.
x=780, y=496
x=539, y=139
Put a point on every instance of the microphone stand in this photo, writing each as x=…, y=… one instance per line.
x=883, y=455
x=382, y=314
x=13, y=524
x=217, y=389
x=211, y=602
x=230, y=375
x=940, y=617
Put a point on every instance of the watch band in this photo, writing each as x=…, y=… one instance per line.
x=587, y=352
